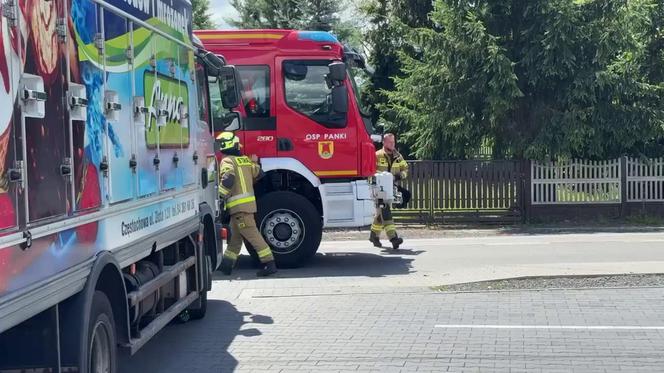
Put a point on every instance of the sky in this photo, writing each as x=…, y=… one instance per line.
x=220, y=10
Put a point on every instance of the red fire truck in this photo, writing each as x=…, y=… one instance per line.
x=303, y=118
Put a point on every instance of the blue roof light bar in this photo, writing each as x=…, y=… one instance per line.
x=319, y=36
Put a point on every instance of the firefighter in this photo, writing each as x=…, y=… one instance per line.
x=237, y=176
x=390, y=160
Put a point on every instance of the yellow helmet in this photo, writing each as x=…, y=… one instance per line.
x=228, y=140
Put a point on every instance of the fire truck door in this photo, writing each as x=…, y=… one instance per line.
x=307, y=127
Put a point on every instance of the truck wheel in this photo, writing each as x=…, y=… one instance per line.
x=292, y=227
x=102, y=345
x=199, y=313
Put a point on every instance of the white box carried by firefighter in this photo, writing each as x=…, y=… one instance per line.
x=383, y=187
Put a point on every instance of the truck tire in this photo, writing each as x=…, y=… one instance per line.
x=199, y=313
x=292, y=227
x=101, y=342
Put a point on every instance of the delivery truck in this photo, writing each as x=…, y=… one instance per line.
x=108, y=178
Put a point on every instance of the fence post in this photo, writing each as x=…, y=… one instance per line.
x=526, y=182
x=432, y=216
x=623, y=186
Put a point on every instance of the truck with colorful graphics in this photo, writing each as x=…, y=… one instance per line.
x=108, y=178
x=303, y=117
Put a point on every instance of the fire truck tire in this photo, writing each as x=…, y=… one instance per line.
x=101, y=342
x=292, y=227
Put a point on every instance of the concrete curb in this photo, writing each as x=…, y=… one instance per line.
x=453, y=232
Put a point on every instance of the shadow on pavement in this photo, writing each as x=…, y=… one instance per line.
x=407, y=252
x=336, y=264
x=196, y=346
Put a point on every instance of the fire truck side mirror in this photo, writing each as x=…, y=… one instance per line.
x=340, y=99
x=229, y=122
x=213, y=63
x=337, y=71
x=228, y=87
x=234, y=123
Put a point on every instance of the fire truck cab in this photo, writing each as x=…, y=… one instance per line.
x=302, y=117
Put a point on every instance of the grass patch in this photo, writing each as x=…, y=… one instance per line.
x=645, y=219
x=567, y=193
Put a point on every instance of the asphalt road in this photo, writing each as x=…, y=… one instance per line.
x=356, y=308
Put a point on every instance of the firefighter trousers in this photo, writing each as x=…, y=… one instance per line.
x=383, y=221
x=243, y=227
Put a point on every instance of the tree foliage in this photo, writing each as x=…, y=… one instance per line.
x=536, y=79
x=201, y=15
x=388, y=24
x=319, y=15
x=315, y=15
x=262, y=14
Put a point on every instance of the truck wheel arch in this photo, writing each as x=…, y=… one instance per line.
x=106, y=277
x=290, y=164
x=293, y=170
x=111, y=283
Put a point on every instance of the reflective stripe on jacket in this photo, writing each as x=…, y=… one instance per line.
x=237, y=175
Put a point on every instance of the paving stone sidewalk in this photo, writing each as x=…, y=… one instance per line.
x=357, y=308
x=384, y=331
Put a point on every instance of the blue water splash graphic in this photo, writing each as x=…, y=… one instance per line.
x=93, y=80
x=84, y=16
x=94, y=130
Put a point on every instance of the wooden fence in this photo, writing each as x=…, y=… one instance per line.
x=576, y=181
x=443, y=190
x=504, y=191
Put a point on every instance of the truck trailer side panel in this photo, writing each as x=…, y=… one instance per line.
x=103, y=145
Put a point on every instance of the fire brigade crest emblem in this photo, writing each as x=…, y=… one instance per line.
x=326, y=149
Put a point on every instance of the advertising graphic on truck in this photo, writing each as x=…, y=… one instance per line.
x=303, y=118
x=108, y=192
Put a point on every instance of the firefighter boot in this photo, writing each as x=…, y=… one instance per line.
x=226, y=266
x=396, y=242
x=373, y=238
x=269, y=268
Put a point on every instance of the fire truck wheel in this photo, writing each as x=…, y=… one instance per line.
x=102, y=345
x=292, y=227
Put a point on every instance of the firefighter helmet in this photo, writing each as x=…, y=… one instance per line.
x=228, y=141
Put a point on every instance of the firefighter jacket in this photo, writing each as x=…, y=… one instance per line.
x=393, y=163
x=236, y=186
